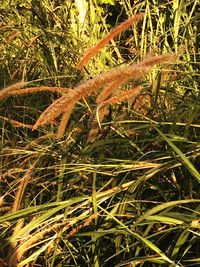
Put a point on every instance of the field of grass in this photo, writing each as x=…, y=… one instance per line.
x=100, y=133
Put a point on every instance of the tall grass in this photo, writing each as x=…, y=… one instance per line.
x=100, y=162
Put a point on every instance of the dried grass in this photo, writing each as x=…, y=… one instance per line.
x=96, y=124
x=16, y=123
x=5, y=92
x=129, y=94
x=55, y=110
x=142, y=103
x=115, y=77
x=108, y=82
x=29, y=90
x=22, y=186
x=16, y=256
x=102, y=109
x=116, y=31
x=64, y=120
x=107, y=91
x=16, y=205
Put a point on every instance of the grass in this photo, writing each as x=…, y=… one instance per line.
x=100, y=152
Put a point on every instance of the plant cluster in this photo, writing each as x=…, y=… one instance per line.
x=105, y=170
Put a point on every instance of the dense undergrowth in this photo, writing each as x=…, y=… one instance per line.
x=100, y=153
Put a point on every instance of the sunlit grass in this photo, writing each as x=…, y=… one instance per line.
x=129, y=197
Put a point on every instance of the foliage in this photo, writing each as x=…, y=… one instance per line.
x=127, y=195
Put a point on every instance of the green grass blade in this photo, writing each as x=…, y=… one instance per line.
x=139, y=237
x=183, y=158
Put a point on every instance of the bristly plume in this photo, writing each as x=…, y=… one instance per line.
x=116, y=31
x=120, y=75
x=108, y=82
x=107, y=91
x=16, y=124
x=5, y=92
x=29, y=90
x=53, y=111
x=102, y=109
x=128, y=94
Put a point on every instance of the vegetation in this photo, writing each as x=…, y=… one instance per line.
x=100, y=133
